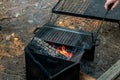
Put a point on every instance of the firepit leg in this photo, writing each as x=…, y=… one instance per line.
x=89, y=54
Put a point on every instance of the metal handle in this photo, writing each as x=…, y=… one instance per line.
x=110, y=6
x=35, y=31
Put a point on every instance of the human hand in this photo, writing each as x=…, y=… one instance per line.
x=114, y=2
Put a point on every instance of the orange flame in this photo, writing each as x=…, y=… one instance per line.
x=64, y=52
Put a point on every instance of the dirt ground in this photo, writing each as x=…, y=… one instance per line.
x=19, y=18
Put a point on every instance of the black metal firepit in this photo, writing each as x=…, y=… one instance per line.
x=44, y=63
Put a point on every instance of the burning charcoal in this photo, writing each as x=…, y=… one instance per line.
x=40, y=51
x=48, y=49
x=54, y=52
x=46, y=44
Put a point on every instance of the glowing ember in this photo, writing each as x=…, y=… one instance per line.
x=64, y=52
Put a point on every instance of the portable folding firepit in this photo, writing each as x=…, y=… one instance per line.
x=44, y=62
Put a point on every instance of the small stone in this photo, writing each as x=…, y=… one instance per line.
x=0, y=3
x=23, y=10
x=13, y=34
x=36, y=4
x=3, y=7
x=8, y=37
x=17, y=15
x=30, y=21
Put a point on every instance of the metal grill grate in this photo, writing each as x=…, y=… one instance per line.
x=64, y=36
x=86, y=8
x=72, y=6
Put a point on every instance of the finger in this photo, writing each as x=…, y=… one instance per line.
x=106, y=5
x=115, y=4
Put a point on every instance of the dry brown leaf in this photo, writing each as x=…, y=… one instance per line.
x=3, y=53
x=77, y=23
x=2, y=68
x=18, y=43
x=12, y=47
x=4, y=17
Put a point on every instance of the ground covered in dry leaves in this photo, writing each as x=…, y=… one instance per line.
x=19, y=18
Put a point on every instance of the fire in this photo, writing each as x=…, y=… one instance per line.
x=64, y=52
